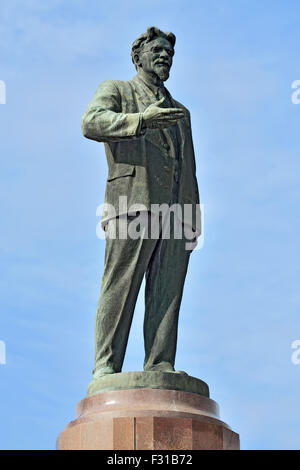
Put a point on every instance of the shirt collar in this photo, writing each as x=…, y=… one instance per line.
x=148, y=82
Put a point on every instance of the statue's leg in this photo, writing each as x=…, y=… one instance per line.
x=164, y=287
x=125, y=265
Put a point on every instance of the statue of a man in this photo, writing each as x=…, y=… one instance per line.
x=149, y=150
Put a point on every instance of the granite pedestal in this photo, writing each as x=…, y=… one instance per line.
x=116, y=416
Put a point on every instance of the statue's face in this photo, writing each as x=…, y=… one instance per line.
x=157, y=57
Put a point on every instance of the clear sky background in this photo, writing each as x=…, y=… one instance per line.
x=234, y=65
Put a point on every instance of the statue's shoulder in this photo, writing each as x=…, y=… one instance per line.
x=109, y=85
x=119, y=84
x=181, y=106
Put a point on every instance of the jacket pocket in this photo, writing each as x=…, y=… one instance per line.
x=119, y=170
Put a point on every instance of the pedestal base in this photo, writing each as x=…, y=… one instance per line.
x=162, y=380
x=147, y=419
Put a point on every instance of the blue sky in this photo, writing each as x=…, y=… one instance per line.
x=234, y=65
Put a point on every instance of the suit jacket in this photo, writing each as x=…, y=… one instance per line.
x=141, y=164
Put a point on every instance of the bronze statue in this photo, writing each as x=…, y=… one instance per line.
x=150, y=155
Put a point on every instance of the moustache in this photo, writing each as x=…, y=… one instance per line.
x=166, y=64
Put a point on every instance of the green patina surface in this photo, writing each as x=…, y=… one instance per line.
x=149, y=149
x=158, y=380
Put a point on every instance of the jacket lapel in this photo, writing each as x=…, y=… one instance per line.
x=182, y=123
x=144, y=97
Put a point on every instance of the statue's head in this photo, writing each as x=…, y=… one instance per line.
x=153, y=52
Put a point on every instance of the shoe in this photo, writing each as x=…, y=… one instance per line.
x=164, y=367
x=161, y=367
x=103, y=371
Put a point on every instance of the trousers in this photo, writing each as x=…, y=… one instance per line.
x=164, y=262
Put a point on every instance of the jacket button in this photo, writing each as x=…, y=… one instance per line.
x=166, y=146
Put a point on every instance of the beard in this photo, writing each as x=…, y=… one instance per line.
x=162, y=71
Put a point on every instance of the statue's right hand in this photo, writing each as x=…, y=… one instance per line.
x=155, y=117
